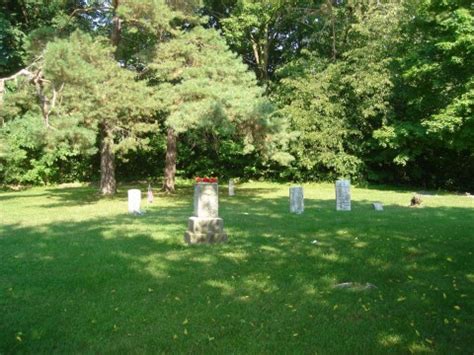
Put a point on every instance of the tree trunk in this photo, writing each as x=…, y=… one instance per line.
x=266, y=53
x=116, y=34
x=170, y=164
x=108, y=185
x=333, y=29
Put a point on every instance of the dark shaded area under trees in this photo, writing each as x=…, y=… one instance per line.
x=379, y=91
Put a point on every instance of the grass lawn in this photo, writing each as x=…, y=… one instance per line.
x=78, y=274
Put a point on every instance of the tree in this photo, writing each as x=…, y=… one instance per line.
x=26, y=27
x=432, y=129
x=83, y=93
x=337, y=94
x=201, y=84
x=101, y=96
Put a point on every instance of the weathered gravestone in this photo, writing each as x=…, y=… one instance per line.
x=343, y=195
x=231, y=188
x=296, y=199
x=134, y=200
x=205, y=226
x=378, y=206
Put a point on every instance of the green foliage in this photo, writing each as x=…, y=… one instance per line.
x=93, y=92
x=26, y=26
x=376, y=90
x=201, y=85
x=432, y=130
x=97, y=91
x=313, y=106
x=337, y=105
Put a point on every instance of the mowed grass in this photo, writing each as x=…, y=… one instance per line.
x=80, y=275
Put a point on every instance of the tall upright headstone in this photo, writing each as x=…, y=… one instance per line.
x=296, y=199
x=134, y=200
x=149, y=194
x=343, y=195
x=205, y=226
x=231, y=187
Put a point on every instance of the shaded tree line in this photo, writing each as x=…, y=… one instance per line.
x=378, y=90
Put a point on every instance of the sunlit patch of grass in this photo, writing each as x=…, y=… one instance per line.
x=390, y=340
x=78, y=274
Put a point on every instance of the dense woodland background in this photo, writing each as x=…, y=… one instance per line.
x=375, y=90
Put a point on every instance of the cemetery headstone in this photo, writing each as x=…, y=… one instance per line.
x=205, y=226
x=149, y=194
x=134, y=200
x=377, y=206
x=231, y=188
x=343, y=195
x=296, y=199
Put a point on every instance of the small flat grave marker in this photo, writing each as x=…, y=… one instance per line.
x=377, y=206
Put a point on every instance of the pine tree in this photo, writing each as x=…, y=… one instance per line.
x=97, y=95
x=200, y=83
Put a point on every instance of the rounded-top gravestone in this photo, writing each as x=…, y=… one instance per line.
x=296, y=199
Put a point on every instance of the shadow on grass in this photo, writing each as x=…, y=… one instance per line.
x=129, y=284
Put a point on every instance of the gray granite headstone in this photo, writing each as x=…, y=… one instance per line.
x=296, y=199
x=343, y=195
x=134, y=200
x=205, y=226
x=231, y=188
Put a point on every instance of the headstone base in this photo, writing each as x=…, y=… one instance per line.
x=205, y=230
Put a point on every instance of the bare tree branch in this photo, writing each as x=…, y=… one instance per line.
x=38, y=80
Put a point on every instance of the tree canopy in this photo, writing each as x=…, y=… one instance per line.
x=381, y=90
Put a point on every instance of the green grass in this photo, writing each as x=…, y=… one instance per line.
x=78, y=274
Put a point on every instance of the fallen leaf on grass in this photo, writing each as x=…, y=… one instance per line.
x=18, y=336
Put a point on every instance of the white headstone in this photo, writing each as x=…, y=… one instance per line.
x=343, y=195
x=231, y=187
x=377, y=206
x=134, y=200
x=206, y=200
x=296, y=199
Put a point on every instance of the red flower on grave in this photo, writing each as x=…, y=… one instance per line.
x=211, y=180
